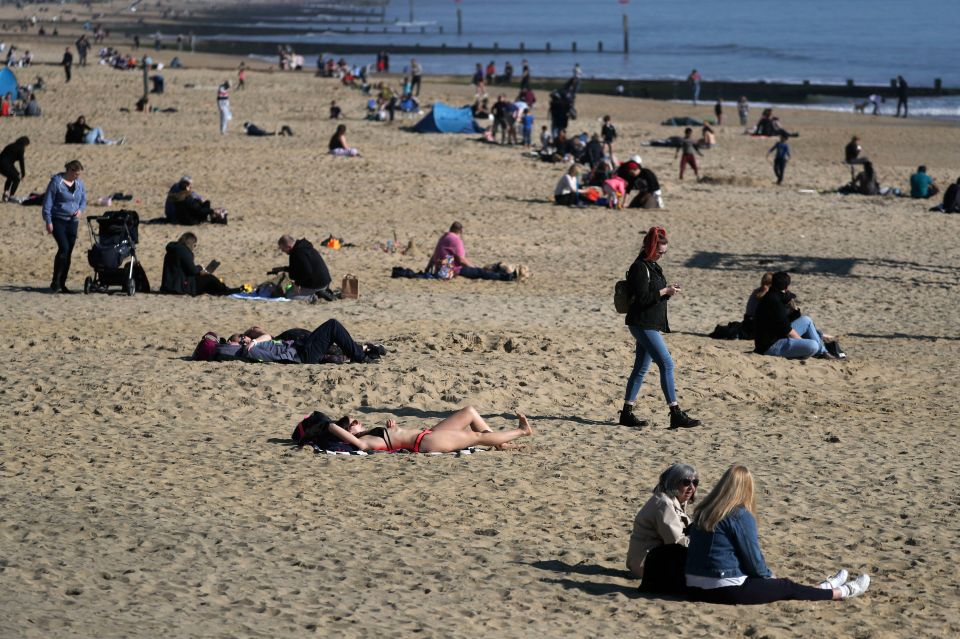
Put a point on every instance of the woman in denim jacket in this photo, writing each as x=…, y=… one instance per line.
x=724, y=561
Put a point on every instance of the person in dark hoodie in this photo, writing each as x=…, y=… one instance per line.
x=183, y=276
x=307, y=269
x=780, y=330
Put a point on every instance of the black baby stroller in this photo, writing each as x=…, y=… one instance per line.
x=113, y=255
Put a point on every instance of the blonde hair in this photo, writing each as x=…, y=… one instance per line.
x=765, y=282
x=734, y=489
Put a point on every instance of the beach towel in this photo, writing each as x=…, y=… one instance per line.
x=349, y=450
x=259, y=298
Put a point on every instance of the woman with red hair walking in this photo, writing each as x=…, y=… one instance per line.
x=646, y=318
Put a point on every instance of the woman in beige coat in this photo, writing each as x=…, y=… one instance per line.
x=659, y=536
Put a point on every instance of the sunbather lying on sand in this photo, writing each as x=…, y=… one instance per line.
x=460, y=430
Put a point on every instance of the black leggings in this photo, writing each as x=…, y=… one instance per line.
x=65, y=234
x=756, y=590
x=9, y=171
x=779, y=168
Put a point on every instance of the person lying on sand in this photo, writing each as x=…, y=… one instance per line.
x=462, y=429
x=303, y=347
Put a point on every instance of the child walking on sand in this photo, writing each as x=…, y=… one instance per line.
x=688, y=148
x=609, y=133
x=782, y=150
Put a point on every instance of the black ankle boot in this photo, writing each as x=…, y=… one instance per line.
x=679, y=419
x=627, y=418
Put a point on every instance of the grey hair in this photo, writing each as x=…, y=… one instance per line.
x=669, y=482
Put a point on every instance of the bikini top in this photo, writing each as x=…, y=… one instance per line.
x=382, y=433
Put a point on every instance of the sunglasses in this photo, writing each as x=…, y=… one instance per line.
x=689, y=482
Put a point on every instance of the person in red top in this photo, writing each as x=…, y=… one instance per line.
x=6, y=107
x=451, y=245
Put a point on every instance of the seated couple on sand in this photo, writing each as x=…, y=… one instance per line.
x=779, y=329
x=186, y=206
x=449, y=260
x=328, y=343
x=462, y=429
x=714, y=556
x=79, y=132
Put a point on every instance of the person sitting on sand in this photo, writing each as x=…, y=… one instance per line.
x=708, y=139
x=338, y=143
x=186, y=206
x=657, y=552
x=79, y=132
x=183, y=276
x=864, y=183
x=951, y=200
x=750, y=314
x=462, y=429
x=299, y=346
x=922, y=186
x=254, y=130
x=307, y=269
x=779, y=328
x=567, y=192
x=725, y=564
x=451, y=253
x=32, y=108
x=644, y=181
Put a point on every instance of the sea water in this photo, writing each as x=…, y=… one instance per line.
x=823, y=41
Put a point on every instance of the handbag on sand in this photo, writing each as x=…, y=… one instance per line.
x=350, y=289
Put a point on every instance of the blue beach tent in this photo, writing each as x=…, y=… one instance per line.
x=8, y=83
x=447, y=119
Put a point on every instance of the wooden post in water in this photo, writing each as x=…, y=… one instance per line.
x=459, y=21
x=626, y=34
x=411, y=10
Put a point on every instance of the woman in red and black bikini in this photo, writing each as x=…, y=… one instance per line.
x=461, y=430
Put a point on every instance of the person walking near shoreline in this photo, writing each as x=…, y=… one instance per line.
x=694, y=80
x=901, y=95
x=743, y=110
x=416, y=76
x=223, y=104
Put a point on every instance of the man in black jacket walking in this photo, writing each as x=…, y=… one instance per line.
x=307, y=269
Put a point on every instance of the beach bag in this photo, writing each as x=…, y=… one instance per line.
x=446, y=272
x=350, y=289
x=313, y=429
x=622, y=296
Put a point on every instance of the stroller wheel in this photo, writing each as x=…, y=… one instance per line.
x=131, y=287
x=87, y=285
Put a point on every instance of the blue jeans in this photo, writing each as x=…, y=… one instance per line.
x=650, y=348
x=474, y=273
x=527, y=134
x=93, y=136
x=811, y=343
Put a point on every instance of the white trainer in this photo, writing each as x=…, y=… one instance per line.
x=855, y=588
x=835, y=581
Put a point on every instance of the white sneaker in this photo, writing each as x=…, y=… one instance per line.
x=835, y=581
x=855, y=588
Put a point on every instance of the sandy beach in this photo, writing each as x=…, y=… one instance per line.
x=146, y=495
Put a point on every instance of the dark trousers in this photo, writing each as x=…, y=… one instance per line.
x=207, y=284
x=192, y=211
x=315, y=346
x=474, y=273
x=565, y=199
x=9, y=171
x=66, y=70
x=902, y=102
x=756, y=590
x=65, y=234
x=779, y=167
x=415, y=85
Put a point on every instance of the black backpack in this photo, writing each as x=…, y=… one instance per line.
x=312, y=429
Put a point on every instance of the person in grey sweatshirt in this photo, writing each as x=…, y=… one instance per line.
x=63, y=203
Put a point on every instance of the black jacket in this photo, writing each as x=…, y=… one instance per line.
x=179, y=270
x=307, y=268
x=649, y=308
x=772, y=321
